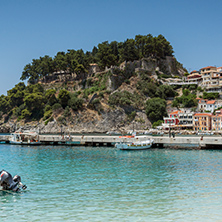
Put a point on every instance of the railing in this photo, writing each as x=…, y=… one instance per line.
x=183, y=83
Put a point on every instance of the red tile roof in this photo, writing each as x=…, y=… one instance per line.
x=176, y=112
x=194, y=75
x=202, y=114
x=211, y=102
x=208, y=67
x=194, y=71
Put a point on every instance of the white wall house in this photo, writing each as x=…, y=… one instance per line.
x=208, y=105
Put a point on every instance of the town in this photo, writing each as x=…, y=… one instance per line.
x=208, y=114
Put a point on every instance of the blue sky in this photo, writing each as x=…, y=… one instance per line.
x=33, y=28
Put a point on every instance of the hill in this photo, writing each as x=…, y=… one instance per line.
x=81, y=97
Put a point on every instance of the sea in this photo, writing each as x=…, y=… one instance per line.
x=71, y=183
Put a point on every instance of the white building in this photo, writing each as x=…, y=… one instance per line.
x=208, y=105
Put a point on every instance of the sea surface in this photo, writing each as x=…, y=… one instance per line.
x=104, y=184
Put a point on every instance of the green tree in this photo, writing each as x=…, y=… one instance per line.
x=163, y=47
x=106, y=54
x=165, y=91
x=64, y=97
x=37, y=88
x=46, y=66
x=157, y=123
x=149, y=45
x=16, y=94
x=60, y=62
x=75, y=103
x=50, y=96
x=186, y=92
x=186, y=100
x=140, y=42
x=210, y=95
x=156, y=109
x=34, y=101
x=4, y=104
x=79, y=69
x=25, y=114
x=128, y=51
x=148, y=88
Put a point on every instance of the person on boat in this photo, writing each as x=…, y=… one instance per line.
x=9, y=183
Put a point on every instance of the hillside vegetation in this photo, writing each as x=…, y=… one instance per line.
x=127, y=90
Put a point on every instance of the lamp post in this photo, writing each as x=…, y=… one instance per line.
x=61, y=130
x=169, y=128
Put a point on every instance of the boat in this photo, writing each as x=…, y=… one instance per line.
x=24, y=138
x=138, y=145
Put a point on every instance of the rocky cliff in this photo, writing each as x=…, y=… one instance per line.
x=97, y=115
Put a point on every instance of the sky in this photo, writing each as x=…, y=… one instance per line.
x=33, y=28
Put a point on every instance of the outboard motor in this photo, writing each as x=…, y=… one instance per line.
x=17, y=179
x=9, y=183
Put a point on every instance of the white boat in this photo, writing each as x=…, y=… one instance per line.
x=139, y=145
x=25, y=138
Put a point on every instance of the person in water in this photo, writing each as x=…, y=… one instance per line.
x=9, y=183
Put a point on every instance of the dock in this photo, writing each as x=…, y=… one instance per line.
x=190, y=142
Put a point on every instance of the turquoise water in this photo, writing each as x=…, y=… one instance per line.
x=105, y=184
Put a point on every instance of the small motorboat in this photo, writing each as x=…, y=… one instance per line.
x=24, y=138
x=139, y=145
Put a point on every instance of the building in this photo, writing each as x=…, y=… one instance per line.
x=216, y=122
x=194, y=77
x=186, y=119
x=211, y=105
x=180, y=119
x=206, y=73
x=201, y=107
x=208, y=105
x=93, y=68
x=212, y=78
x=171, y=121
x=202, y=121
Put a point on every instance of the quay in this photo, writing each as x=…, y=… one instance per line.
x=189, y=142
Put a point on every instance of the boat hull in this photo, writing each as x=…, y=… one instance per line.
x=24, y=143
x=125, y=146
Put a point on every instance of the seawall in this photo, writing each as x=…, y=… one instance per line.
x=188, y=142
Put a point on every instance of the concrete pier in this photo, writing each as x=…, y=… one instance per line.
x=201, y=142
x=190, y=142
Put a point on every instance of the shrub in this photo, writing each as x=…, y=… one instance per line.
x=56, y=106
x=63, y=97
x=25, y=114
x=120, y=98
x=156, y=109
x=75, y=103
x=67, y=112
x=95, y=101
x=131, y=116
x=210, y=95
x=19, y=109
x=47, y=114
x=157, y=123
x=47, y=108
